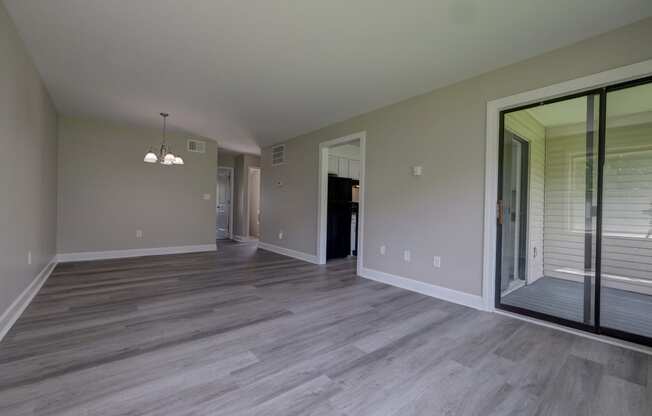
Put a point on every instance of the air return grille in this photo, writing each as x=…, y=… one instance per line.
x=196, y=146
x=278, y=155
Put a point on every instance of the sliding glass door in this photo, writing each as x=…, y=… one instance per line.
x=626, y=273
x=574, y=223
x=514, y=205
x=558, y=236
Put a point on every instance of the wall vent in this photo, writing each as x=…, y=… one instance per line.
x=278, y=155
x=196, y=146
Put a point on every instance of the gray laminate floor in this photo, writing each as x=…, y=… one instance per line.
x=246, y=332
x=620, y=309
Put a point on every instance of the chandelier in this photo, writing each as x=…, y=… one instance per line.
x=165, y=155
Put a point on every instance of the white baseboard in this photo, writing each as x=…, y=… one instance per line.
x=439, y=292
x=310, y=258
x=139, y=252
x=243, y=239
x=18, y=306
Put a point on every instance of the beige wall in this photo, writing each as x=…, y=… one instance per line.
x=241, y=192
x=107, y=192
x=225, y=159
x=28, y=168
x=441, y=212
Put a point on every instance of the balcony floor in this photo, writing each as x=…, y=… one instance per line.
x=622, y=310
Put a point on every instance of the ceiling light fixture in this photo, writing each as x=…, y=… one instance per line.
x=165, y=156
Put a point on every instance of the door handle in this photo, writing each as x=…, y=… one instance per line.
x=499, y=212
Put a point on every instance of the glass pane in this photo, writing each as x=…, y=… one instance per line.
x=549, y=197
x=626, y=298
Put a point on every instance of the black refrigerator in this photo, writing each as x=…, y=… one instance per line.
x=341, y=218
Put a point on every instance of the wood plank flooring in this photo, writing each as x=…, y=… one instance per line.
x=249, y=332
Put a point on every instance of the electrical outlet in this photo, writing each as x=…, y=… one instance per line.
x=436, y=261
x=407, y=256
x=29, y=257
x=139, y=233
x=207, y=197
x=383, y=250
x=280, y=235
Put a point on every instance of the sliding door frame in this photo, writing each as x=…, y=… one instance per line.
x=610, y=80
x=581, y=325
x=524, y=208
x=616, y=333
x=596, y=327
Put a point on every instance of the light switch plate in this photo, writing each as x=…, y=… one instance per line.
x=407, y=256
x=207, y=197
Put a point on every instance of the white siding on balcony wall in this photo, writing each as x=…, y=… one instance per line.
x=627, y=246
x=564, y=205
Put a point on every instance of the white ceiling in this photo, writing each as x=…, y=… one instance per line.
x=634, y=100
x=254, y=72
x=561, y=113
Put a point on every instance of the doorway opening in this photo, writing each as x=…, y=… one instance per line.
x=341, y=199
x=224, y=209
x=253, y=203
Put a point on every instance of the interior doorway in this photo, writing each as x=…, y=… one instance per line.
x=253, y=205
x=341, y=199
x=224, y=209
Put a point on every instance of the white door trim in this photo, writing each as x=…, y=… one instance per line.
x=323, y=195
x=230, y=169
x=494, y=108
